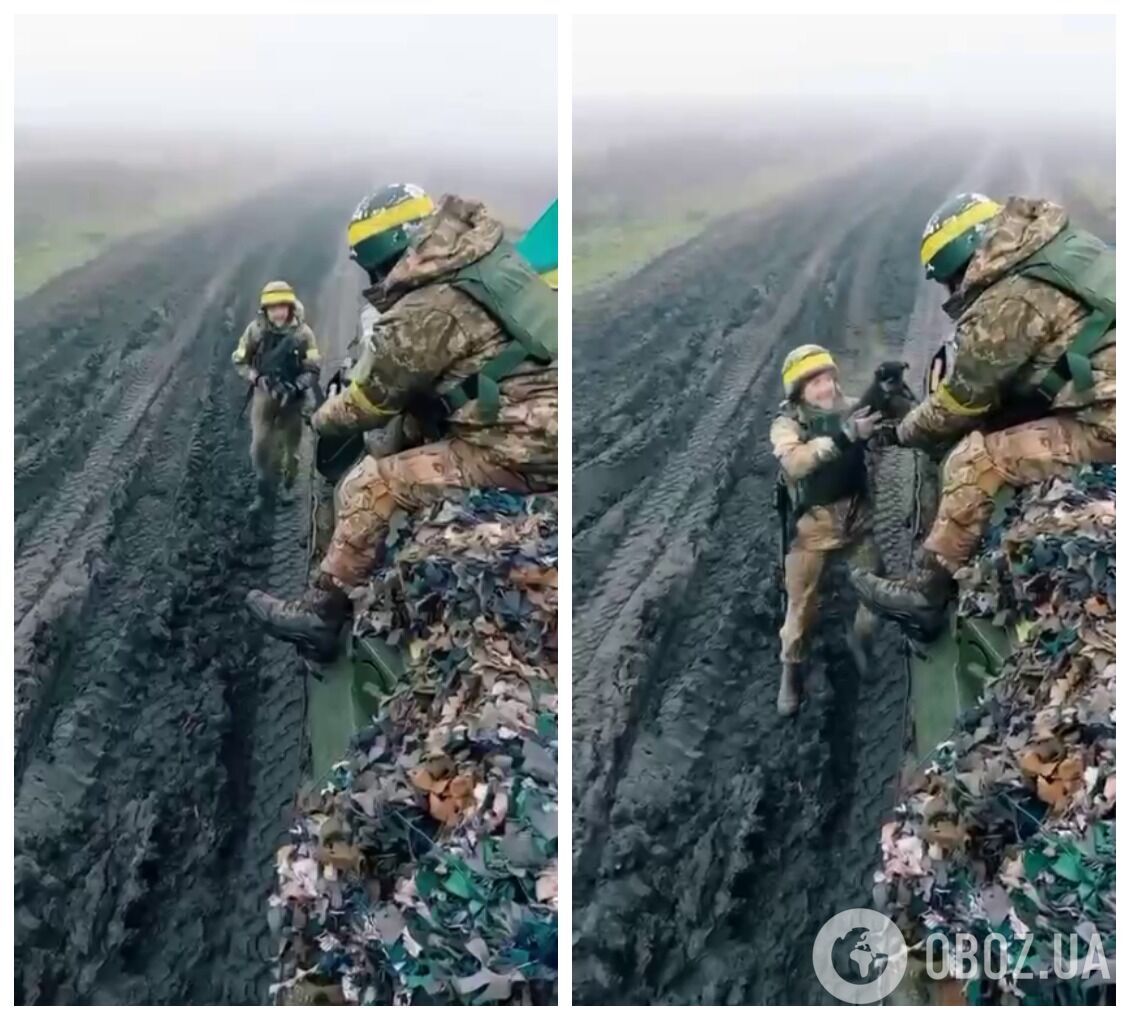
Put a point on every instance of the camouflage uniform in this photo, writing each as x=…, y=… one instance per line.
x=843, y=527
x=1010, y=331
x=276, y=428
x=429, y=336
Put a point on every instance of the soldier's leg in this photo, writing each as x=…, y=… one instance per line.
x=980, y=465
x=370, y=494
x=865, y=555
x=264, y=443
x=802, y=583
x=290, y=436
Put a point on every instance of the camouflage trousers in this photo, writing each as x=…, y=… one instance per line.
x=981, y=464
x=368, y=496
x=276, y=432
x=804, y=566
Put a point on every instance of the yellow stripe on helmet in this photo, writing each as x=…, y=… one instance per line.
x=359, y=397
x=277, y=297
x=955, y=226
x=385, y=219
x=952, y=404
x=807, y=365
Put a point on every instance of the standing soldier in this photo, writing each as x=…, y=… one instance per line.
x=1032, y=385
x=820, y=447
x=466, y=344
x=278, y=356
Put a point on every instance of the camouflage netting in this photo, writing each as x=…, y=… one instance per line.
x=1010, y=826
x=425, y=869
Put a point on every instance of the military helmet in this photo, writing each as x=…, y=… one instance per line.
x=383, y=223
x=954, y=233
x=801, y=364
x=277, y=292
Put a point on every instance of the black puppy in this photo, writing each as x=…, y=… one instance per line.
x=888, y=392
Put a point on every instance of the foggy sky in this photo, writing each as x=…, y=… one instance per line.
x=464, y=83
x=991, y=67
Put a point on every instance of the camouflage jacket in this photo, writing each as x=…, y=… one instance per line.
x=430, y=336
x=821, y=528
x=1010, y=331
x=261, y=334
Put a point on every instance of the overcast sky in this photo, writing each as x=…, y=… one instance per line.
x=959, y=62
x=470, y=82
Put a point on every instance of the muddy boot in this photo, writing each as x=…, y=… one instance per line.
x=285, y=496
x=264, y=501
x=312, y=622
x=788, y=694
x=916, y=602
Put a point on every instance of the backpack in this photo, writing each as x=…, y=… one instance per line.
x=524, y=305
x=1080, y=265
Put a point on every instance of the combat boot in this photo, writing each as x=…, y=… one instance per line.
x=916, y=602
x=312, y=622
x=788, y=694
x=264, y=500
x=285, y=496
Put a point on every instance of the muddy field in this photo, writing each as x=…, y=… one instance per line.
x=158, y=740
x=711, y=838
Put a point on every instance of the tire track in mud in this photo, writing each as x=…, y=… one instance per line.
x=168, y=741
x=712, y=839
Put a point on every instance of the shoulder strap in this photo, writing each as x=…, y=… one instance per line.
x=524, y=305
x=1082, y=266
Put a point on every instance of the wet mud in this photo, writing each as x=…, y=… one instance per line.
x=711, y=838
x=159, y=741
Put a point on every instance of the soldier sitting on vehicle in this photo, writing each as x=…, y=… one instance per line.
x=1032, y=387
x=466, y=342
x=278, y=355
x=819, y=443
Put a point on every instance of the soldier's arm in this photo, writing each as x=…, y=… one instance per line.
x=311, y=356
x=796, y=456
x=994, y=340
x=403, y=356
x=245, y=350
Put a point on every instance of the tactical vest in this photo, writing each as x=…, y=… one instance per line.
x=279, y=356
x=842, y=476
x=1081, y=266
x=524, y=305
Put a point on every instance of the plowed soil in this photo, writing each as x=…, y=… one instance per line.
x=711, y=838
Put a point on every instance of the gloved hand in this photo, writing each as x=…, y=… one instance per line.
x=861, y=424
x=886, y=434
x=261, y=383
x=284, y=392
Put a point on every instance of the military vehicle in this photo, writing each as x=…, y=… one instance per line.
x=947, y=677
x=343, y=696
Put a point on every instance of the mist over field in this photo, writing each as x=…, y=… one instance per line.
x=127, y=123
x=166, y=168
x=743, y=186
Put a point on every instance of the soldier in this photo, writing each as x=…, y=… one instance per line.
x=1032, y=384
x=466, y=343
x=820, y=447
x=278, y=355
